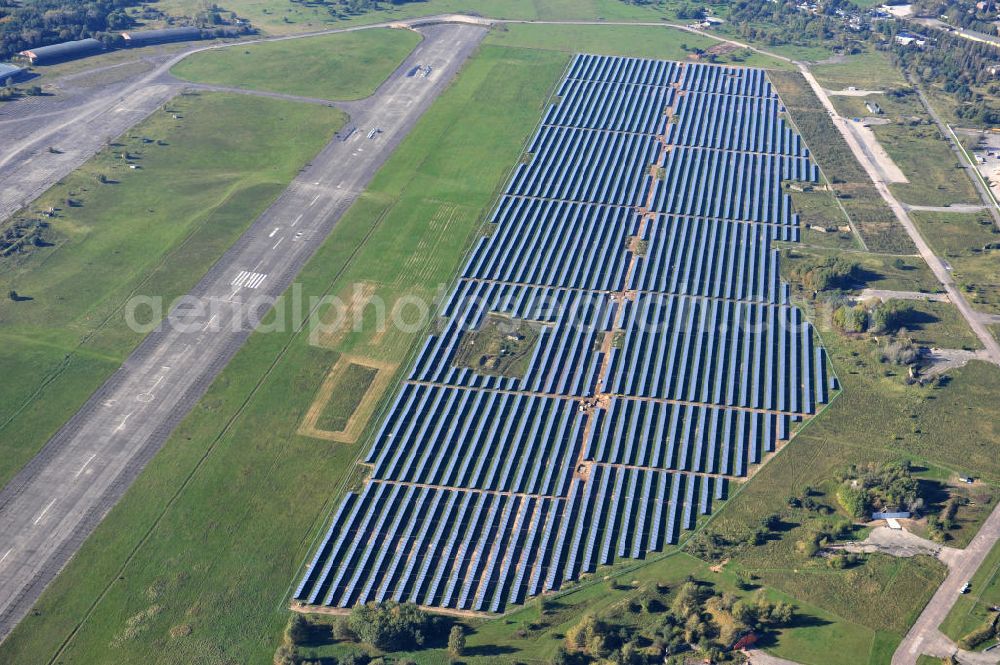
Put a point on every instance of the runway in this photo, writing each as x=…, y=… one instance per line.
x=60, y=496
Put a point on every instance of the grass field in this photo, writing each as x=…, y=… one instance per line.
x=972, y=609
x=872, y=70
x=936, y=324
x=224, y=160
x=341, y=66
x=213, y=532
x=965, y=241
x=285, y=16
x=633, y=41
x=925, y=157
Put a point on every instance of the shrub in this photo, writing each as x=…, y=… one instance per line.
x=456, y=642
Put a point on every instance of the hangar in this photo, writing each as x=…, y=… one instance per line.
x=45, y=55
x=137, y=38
x=9, y=72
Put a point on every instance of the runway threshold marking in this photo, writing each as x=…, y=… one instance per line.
x=44, y=510
x=85, y=465
x=247, y=279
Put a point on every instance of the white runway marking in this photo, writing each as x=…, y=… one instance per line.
x=255, y=281
x=210, y=322
x=274, y=231
x=315, y=199
x=45, y=510
x=5, y=554
x=121, y=425
x=247, y=279
x=296, y=220
x=85, y=465
x=278, y=243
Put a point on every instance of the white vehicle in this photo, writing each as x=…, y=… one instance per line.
x=965, y=588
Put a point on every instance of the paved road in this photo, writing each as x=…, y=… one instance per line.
x=958, y=207
x=54, y=503
x=924, y=637
x=936, y=265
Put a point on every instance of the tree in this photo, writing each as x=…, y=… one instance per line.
x=12, y=294
x=853, y=500
x=342, y=630
x=456, y=642
x=391, y=626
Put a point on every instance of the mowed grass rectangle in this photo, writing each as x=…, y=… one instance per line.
x=342, y=66
x=347, y=395
x=203, y=177
x=195, y=563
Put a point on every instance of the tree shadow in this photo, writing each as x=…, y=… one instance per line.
x=489, y=650
x=913, y=319
x=320, y=635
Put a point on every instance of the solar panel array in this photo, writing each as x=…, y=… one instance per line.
x=636, y=235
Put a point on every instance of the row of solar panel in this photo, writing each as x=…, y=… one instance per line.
x=458, y=437
x=622, y=107
x=481, y=550
x=622, y=70
x=717, y=258
x=689, y=76
x=683, y=437
x=729, y=185
x=585, y=165
x=749, y=124
x=555, y=243
x=718, y=352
